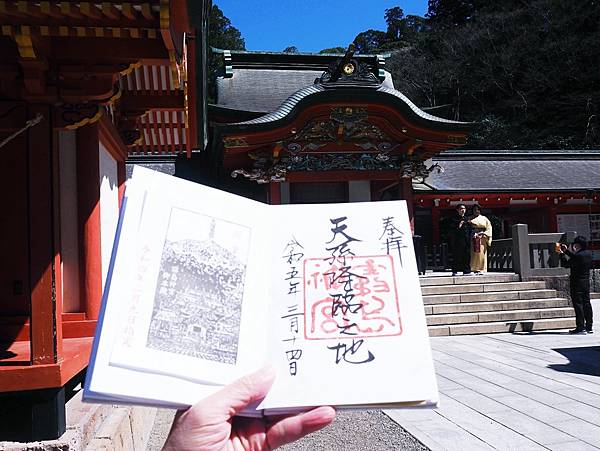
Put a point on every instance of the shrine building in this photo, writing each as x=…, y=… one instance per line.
x=82, y=84
x=301, y=128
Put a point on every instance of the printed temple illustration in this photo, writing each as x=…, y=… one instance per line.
x=198, y=298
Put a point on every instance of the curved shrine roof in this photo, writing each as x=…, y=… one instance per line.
x=265, y=90
x=383, y=94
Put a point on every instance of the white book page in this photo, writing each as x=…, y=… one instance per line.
x=347, y=319
x=109, y=383
x=187, y=301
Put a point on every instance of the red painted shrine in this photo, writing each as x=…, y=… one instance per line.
x=82, y=84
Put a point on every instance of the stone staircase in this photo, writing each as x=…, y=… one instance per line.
x=492, y=303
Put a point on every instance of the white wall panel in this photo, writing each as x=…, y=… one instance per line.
x=109, y=206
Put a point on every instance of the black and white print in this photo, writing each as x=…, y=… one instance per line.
x=198, y=299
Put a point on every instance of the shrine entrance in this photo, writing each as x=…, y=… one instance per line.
x=344, y=135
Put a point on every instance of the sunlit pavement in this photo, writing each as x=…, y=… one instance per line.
x=538, y=390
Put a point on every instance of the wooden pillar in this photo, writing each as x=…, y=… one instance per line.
x=551, y=218
x=121, y=177
x=435, y=225
x=45, y=313
x=275, y=193
x=192, y=128
x=88, y=203
x=405, y=192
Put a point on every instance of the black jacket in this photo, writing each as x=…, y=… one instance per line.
x=580, y=264
x=459, y=235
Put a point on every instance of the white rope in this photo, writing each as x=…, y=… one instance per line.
x=30, y=123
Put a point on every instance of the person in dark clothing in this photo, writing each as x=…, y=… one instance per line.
x=460, y=241
x=579, y=261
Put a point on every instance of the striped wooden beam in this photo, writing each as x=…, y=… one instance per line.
x=74, y=31
x=90, y=10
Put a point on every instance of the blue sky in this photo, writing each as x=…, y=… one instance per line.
x=310, y=25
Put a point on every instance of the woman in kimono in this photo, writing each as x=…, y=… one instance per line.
x=481, y=241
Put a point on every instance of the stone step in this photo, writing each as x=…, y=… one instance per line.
x=433, y=299
x=462, y=280
x=486, y=317
x=594, y=295
x=502, y=326
x=482, y=287
x=472, y=307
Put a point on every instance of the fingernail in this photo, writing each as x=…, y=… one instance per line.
x=320, y=415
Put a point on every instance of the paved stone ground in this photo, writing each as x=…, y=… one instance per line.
x=501, y=391
x=513, y=391
x=359, y=431
x=351, y=431
x=162, y=426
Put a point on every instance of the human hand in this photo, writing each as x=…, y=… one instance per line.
x=212, y=424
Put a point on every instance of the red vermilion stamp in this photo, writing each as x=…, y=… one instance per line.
x=357, y=298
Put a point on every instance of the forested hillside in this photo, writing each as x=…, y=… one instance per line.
x=527, y=71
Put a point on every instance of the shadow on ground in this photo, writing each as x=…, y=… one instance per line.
x=582, y=360
x=542, y=332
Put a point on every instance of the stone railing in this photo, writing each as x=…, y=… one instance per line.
x=528, y=254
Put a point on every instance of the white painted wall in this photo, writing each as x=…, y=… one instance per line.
x=69, y=245
x=359, y=191
x=109, y=206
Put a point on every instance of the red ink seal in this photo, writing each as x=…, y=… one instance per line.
x=354, y=297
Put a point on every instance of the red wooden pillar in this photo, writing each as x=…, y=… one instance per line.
x=406, y=193
x=121, y=177
x=88, y=203
x=435, y=225
x=45, y=308
x=275, y=193
x=552, y=225
x=192, y=128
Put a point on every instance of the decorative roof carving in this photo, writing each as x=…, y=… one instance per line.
x=345, y=125
x=266, y=170
x=348, y=70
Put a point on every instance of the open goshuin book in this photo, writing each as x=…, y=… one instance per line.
x=205, y=287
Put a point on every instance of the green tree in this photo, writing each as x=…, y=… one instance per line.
x=333, y=50
x=370, y=41
x=221, y=34
x=402, y=31
x=453, y=12
x=526, y=73
x=394, y=18
x=291, y=49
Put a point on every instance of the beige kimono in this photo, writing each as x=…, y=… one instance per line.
x=482, y=228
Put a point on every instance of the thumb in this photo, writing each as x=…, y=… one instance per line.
x=235, y=397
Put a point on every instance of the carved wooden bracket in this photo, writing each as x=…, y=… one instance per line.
x=71, y=116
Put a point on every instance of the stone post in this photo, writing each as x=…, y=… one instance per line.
x=520, y=251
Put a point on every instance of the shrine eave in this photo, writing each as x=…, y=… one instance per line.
x=320, y=95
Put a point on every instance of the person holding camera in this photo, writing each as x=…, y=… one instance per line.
x=579, y=261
